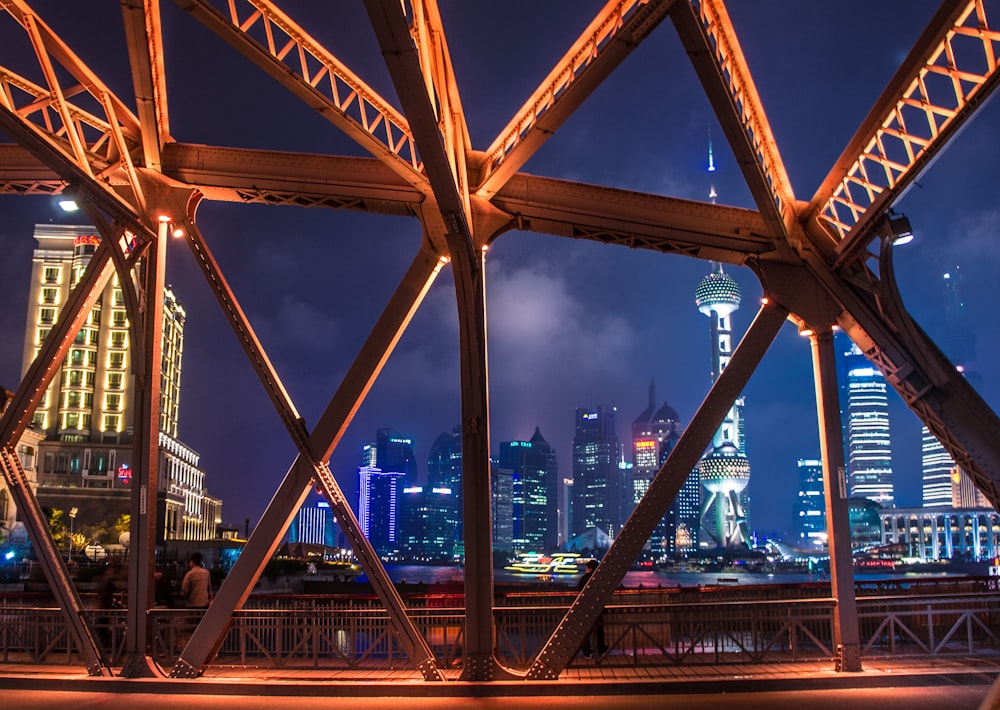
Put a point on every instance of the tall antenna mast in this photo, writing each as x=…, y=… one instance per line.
x=712, y=194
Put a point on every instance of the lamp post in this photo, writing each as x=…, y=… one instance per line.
x=72, y=517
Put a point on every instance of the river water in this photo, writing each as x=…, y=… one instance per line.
x=443, y=574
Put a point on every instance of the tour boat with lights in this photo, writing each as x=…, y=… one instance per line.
x=554, y=564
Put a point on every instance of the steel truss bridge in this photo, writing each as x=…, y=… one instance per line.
x=117, y=157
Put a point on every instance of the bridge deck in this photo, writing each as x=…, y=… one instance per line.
x=581, y=679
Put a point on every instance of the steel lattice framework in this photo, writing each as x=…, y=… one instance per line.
x=137, y=184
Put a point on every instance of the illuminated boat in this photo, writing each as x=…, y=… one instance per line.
x=557, y=563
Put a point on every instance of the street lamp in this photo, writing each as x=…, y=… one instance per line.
x=72, y=517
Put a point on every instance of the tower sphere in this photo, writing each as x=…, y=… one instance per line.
x=724, y=470
x=717, y=292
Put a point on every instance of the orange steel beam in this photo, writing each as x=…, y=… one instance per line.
x=468, y=269
x=275, y=43
x=606, y=42
x=711, y=43
x=950, y=71
x=52, y=107
x=144, y=38
x=442, y=90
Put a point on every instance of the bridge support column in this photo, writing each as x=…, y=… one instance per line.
x=845, y=620
x=145, y=481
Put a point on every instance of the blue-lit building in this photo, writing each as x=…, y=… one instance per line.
x=810, y=507
x=865, y=410
x=444, y=470
x=534, y=493
x=597, y=484
x=386, y=466
x=428, y=531
x=378, y=508
x=314, y=524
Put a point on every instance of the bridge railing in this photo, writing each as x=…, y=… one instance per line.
x=321, y=633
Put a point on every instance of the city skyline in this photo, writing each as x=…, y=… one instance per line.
x=571, y=324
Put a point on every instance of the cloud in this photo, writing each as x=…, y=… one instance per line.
x=537, y=316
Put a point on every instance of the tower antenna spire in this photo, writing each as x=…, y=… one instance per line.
x=712, y=194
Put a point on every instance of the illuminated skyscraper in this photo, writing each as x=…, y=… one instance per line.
x=654, y=434
x=502, y=499
x=386, y=466
x=725, y=470
x=597, y=490
x=810, y=509
x=534, y=489
x=938, y=467
x=869, y=444
x=378, y=507
x=428, y=530
x=444, y=470
x=86, y=414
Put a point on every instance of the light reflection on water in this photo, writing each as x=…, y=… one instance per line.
x=443, y=574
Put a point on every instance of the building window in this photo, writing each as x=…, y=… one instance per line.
x=89, y=379
x=111, y=422
x=92, y=358
x=47, y=315
x=114, y=380
x=118, y=317
x=116, y=360
x=118, y=339
x=27, y=454
x=51, y=274
x=43, y=333
x=95, y=316
x=112, y=402
x=49, y=295
x=76, y=357
x=84, y=249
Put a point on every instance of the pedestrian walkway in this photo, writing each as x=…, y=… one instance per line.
x=577, y=680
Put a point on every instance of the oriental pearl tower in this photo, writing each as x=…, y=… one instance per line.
x=724, y=470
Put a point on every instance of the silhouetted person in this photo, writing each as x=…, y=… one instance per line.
x=598, y=631
x=196, y=587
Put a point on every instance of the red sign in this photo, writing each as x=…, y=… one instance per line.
x=124, y=473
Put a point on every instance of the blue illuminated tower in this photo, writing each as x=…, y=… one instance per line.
x=386, y=466
x=866, y=423
x=724, y=470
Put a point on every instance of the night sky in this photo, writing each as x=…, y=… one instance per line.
x=570, y=324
